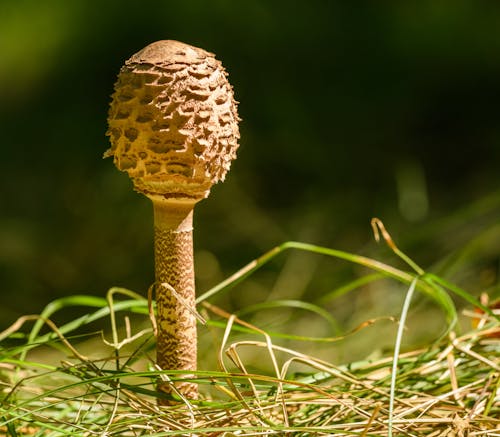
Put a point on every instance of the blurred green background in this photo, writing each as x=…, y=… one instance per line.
x=350, y=110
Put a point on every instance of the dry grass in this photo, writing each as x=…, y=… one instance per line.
x=451, y=389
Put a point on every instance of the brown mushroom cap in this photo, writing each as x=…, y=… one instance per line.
x=173, y=121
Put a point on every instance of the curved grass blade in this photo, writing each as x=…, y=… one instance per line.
x=347, y=288
x=138, y=305
x=291, y=303
x=432, y=290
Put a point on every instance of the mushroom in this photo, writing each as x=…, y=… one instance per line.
x=173, y=127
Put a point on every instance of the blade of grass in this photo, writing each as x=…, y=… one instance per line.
x=275, y=334
x=136, y=305
x=397, y=347
x=352, y=285
x=110, y=301
x=290, y=303
x=461, y=293
x=430, y=289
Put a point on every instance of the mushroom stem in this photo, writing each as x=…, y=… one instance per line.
x=176, y=341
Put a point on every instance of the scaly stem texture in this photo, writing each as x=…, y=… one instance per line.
x=176, y=342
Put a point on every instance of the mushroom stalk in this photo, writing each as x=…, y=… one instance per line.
x=175, y=291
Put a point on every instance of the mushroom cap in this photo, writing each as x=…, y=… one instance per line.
x=173, y=121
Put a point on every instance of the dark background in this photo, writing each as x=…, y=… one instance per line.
x=350, y=110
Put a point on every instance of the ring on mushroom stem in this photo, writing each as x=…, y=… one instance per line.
x=173, y=127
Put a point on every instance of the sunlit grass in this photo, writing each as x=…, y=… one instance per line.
x=452, y=385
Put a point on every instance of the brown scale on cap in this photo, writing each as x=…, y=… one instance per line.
x=173, y=121
x=173, y=126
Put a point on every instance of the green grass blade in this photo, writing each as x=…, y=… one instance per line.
x=461, y=293
x=430, y=289
x=351, y=286
x=290, y=303
x=138, y=305
x=397, y=348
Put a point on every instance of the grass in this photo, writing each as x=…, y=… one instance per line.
x=106, y=386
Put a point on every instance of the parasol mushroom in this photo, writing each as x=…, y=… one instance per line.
x=173, y=127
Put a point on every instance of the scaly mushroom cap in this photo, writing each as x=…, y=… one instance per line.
x=173, y=121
